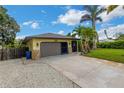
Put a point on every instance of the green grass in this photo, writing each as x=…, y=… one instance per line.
x=116, y=55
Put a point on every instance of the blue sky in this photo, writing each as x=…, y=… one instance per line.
x=60, y=19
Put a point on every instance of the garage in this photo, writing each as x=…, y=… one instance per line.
x=50, y=44
x=50, y=49
x=53, y=48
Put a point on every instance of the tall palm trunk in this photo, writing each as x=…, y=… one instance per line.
x=87, y=45
x=95, y=37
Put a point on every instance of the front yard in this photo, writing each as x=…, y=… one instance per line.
x=116, y=55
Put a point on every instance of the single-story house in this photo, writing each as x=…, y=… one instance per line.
x=50, y=44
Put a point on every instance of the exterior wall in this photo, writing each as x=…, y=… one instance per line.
x=34, y=46
x=29, y=44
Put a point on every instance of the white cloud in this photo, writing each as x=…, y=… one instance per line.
x=111, y=31
x=61, y=32
x=35, y=25
x=44, y=12
x=20, y=37
x=32, y=24
x=71, y=17
x=106, y=25
x=118, y=12
x=27, y=23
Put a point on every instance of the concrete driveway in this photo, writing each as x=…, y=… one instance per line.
x=88, y=72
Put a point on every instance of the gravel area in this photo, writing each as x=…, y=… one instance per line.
x=13, y=74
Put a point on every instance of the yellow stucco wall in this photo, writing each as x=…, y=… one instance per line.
x=29, y=44
x=34, y=46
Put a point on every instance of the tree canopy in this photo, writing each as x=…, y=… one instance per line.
x=93, y=15
x=8, y=27
x=86, y=35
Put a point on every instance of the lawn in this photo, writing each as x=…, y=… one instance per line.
x=116, y=55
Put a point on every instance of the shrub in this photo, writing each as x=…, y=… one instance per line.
x=115, y=44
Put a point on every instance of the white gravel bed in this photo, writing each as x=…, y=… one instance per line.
x=13, y=74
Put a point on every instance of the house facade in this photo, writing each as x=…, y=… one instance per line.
x=50, y=44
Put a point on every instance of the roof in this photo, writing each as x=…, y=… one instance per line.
x=50, y=36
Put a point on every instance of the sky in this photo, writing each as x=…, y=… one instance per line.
x=34, y=19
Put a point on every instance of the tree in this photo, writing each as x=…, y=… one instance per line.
x=93, y=15
x=120, y=36
x=77, y=31
x=69, y=34
x=8, y=28
x=18, y=43
x=86, y=35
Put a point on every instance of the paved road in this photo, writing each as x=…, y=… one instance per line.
x=88, y=72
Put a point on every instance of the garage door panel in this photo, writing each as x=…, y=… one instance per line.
x=50, y=49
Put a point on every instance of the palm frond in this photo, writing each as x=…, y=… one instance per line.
x=74, y=34
x=85, y=17
x=91, y=8
x=99, y=19
x=88, y=8
x=101, y=10
x=69, y=34
x=111, y=8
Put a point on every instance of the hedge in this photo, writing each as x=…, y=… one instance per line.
x=115, y=44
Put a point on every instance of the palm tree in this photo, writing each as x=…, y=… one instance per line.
x=93, y=15
x=111, y=8
x=86, y=35
x=77, y=31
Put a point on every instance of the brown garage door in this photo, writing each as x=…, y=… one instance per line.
x=50, y=49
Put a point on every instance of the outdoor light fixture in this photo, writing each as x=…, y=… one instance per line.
x=37, y=44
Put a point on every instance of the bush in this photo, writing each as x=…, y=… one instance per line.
x=115, y=44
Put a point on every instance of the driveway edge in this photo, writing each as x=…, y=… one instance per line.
x=63, y=75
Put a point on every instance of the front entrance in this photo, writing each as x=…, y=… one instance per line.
x=64, y=48
x=74, y=46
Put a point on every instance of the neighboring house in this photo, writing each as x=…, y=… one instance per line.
x=50, y=44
